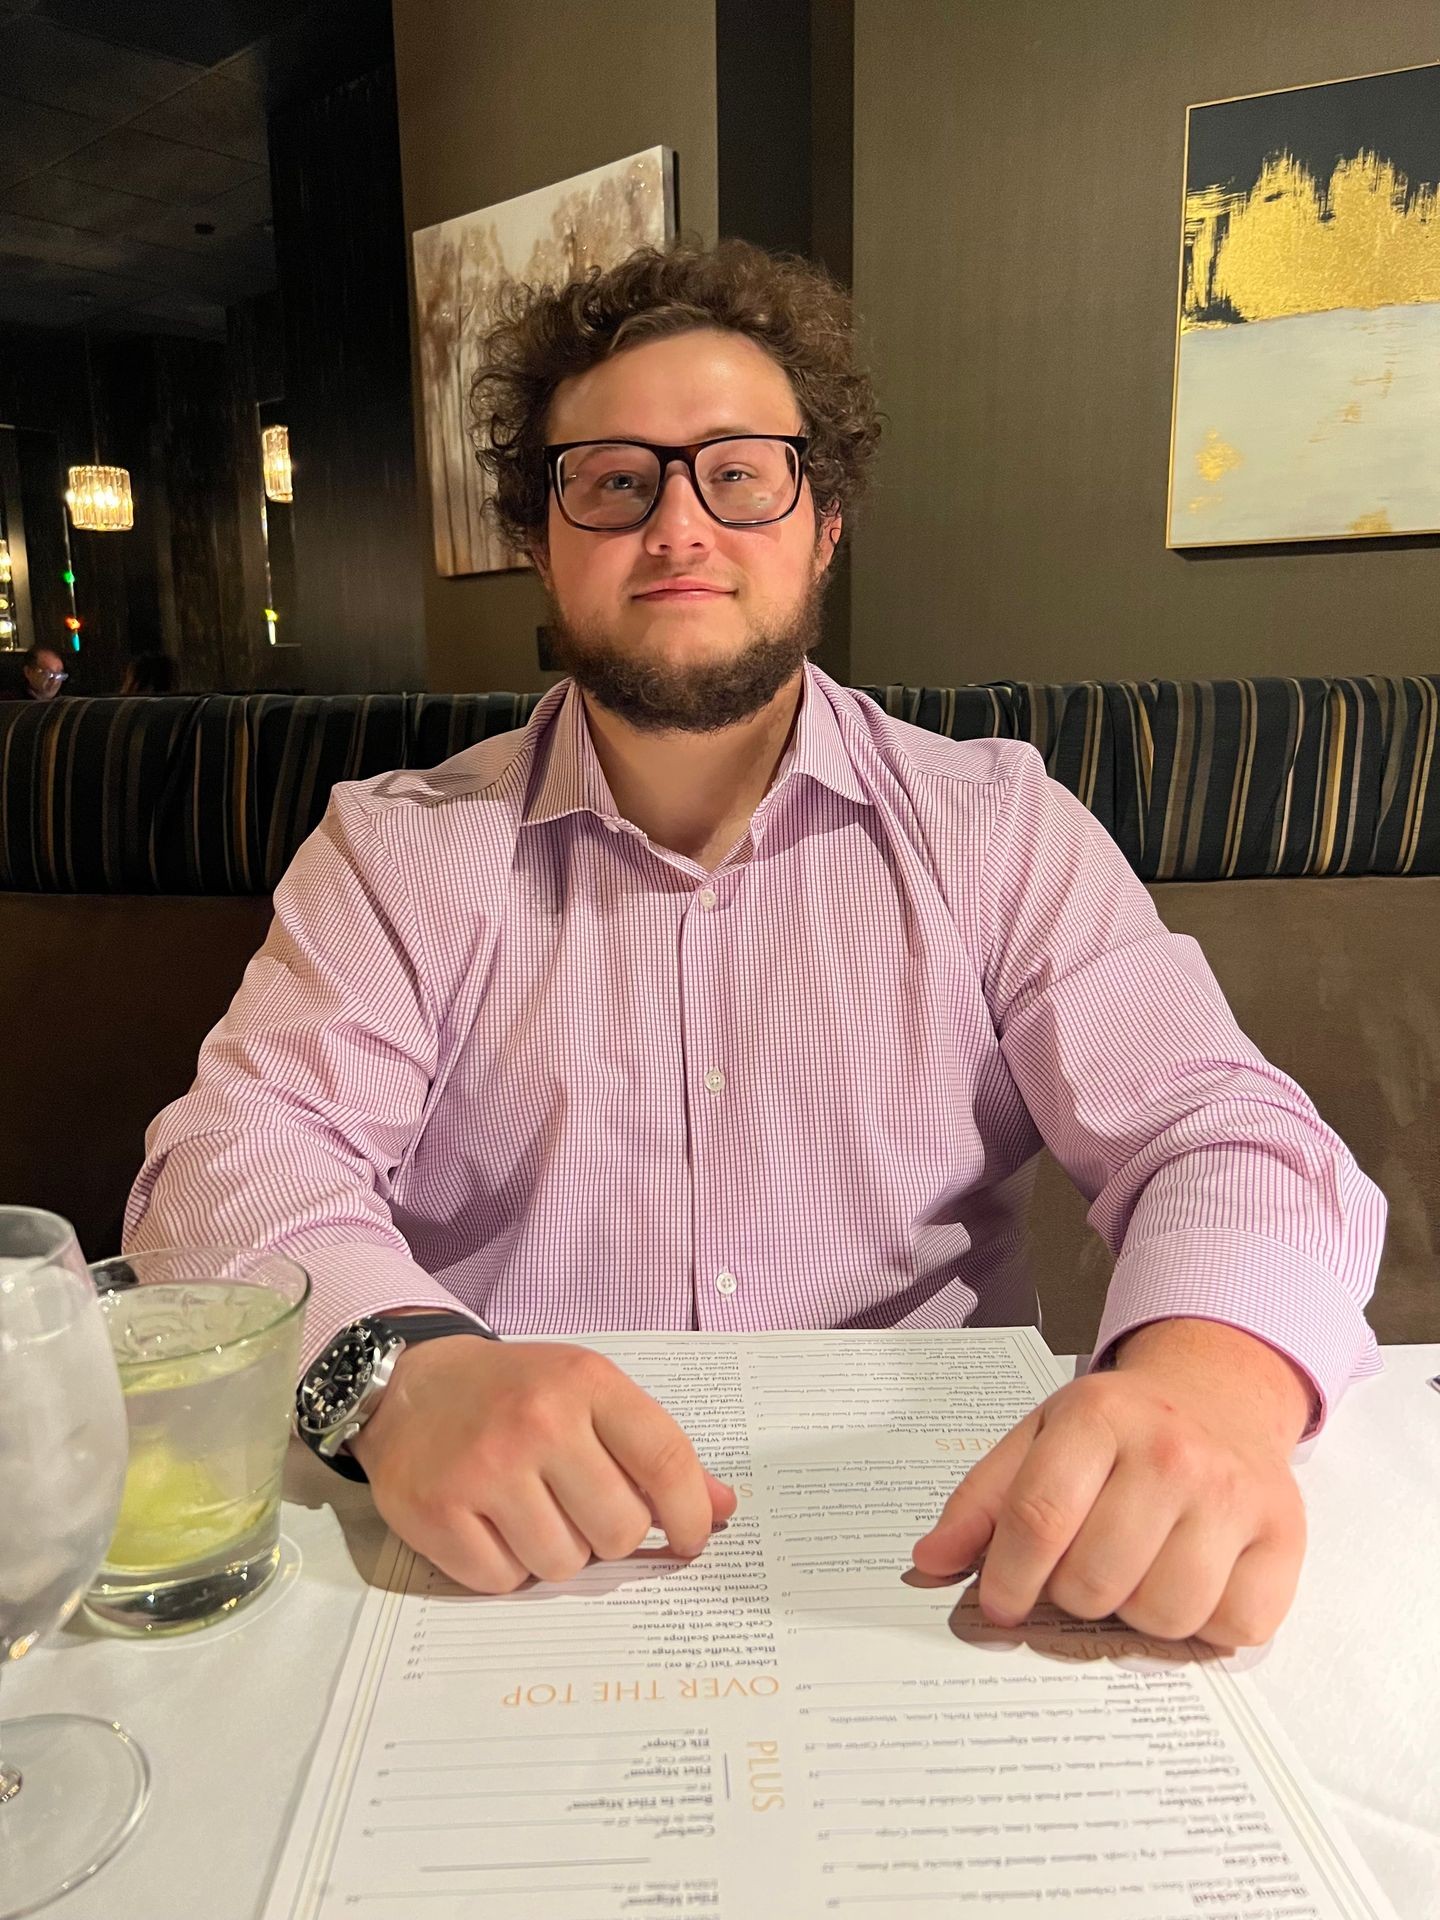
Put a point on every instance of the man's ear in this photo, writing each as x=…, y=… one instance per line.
x=827, y=540
x=537, y=552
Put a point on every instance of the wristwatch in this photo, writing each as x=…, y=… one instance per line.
x=342, y=1387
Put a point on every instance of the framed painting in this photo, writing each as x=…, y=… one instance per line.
x=1307, y=358
x=596, y=218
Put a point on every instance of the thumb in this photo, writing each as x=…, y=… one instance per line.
x=723, y=1499
x=967, y=1522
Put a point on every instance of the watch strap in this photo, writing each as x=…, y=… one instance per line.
x=412, y=1328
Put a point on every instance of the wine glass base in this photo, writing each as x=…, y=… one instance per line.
x=83, y=1787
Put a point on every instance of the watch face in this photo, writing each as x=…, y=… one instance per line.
x=334, y=1385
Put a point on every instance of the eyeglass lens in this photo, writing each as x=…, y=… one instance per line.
x=608, y=484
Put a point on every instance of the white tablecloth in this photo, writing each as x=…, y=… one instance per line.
x=228, y=1717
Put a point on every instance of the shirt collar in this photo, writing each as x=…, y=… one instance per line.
x=817, y=746
x=573, y=781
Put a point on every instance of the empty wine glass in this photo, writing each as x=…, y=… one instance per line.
x=71, y=1788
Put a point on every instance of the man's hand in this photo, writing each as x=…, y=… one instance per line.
x=1160, y=1492
x=499, y=1461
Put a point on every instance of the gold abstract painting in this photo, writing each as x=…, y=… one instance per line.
x=1307, y=362
x=540, y=238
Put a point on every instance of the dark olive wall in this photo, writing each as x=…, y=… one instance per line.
x=340, y=250
x=784, y=133
x=495, y=101
x=1017, y=226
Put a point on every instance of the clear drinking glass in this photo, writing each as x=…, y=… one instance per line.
x=71, y=1788
x=207, y=1342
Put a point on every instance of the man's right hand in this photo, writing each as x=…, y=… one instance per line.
x=502, y=1460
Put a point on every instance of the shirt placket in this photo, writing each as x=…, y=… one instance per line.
x=711, y=1098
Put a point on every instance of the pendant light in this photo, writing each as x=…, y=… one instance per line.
x=275, y=460
x=98, y=496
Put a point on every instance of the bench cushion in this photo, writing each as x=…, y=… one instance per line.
x=1195, y=780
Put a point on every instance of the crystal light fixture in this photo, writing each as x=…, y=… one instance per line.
x=279, y=476
x=99, y=499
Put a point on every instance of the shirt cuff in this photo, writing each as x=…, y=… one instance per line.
x=1255, y=1284
x=356, y=1278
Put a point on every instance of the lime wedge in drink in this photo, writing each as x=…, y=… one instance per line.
x=175, y=1511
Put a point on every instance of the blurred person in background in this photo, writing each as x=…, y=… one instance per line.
x=148, y=673
x=42, y=675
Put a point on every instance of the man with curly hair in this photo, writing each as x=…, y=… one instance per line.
x=718, y=999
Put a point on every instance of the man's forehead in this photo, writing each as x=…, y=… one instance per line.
x=682, y=387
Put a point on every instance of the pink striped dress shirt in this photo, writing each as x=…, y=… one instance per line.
x=499, y=1048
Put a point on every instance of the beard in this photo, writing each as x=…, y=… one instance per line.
x=701, y=697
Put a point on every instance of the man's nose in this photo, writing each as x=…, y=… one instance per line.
x=679, y=519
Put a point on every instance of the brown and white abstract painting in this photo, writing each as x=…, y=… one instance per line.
x=544, y=237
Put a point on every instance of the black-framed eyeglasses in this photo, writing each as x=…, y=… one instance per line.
x=741, y=479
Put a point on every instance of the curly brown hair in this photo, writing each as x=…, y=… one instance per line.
x=787, y=305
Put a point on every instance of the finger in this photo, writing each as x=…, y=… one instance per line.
x=1257, y=1596
x=543, y=1539
x=600, y=1501
x=1046, y=1503
x=467, y=1550
x=1118, y=1544
x=723, y=1498
x=967, y=1520
x=1183, y=1588
x=646, y=1444
x=723, y=1501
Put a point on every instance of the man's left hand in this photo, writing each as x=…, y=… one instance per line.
x=1160, y=1492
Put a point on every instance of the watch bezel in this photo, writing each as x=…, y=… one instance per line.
x=345, y=1382
x=337, y=1381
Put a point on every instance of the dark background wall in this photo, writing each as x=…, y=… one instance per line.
x=784, y=136
x=340, y=248
x=326, y=352
x=999, y=180
x=1017, y=225
x=496, y=100
x=162, y=408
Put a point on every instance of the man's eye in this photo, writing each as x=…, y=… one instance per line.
x=619, y=482
x=729, y=475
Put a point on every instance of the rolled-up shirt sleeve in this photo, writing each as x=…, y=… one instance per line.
x=311, y=1090
x=1212, y=1179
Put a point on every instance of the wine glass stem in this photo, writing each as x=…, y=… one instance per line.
x=10, y=1779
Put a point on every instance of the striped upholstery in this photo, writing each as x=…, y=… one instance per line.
x=1227, y=779
x=1195, y=780
x=204, y=794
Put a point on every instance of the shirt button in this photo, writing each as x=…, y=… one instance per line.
x=707, y=898
x=715, y=1080
x=725, y=1282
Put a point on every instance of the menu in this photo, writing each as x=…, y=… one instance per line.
x=798, y=1724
